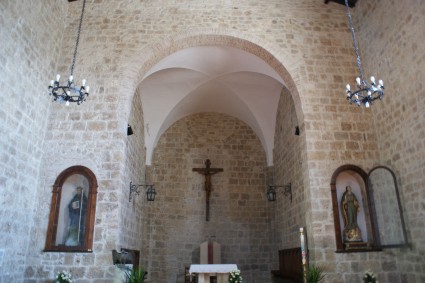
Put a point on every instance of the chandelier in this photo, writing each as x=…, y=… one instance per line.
x=366, y=92
x=67, y=91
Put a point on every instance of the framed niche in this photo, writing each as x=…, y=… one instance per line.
x=354, y=221
x=72, y=211
x=367, y=210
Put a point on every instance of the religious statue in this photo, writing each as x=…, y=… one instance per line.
x=350, y=207
x=208, y=172
x=77, y=213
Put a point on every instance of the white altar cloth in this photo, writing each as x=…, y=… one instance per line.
x=204, y=271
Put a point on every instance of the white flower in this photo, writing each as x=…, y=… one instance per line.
x=64, y=276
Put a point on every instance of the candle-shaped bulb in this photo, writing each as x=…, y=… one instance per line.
x=347, y=88
x=381, y=82
x=71, y=78
x=67, y=103
x=68, y=92
x=366, y=104
x=372, y=79
x=83, y=82
x=358, y=81
x=369, y=93
x=58, y=77
x=52, y=82
x=356, y=96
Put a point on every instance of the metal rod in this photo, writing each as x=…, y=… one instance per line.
x=356, y=49
x=78, y=38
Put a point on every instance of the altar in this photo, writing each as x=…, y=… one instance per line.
x=204, y=271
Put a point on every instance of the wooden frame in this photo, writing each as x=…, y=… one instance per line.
x=290, y=265
x=126, y=256
x=373, y=242
x=373, y=192
x=135, y=256
x=58, y=215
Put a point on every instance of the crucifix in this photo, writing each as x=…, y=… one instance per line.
x=207, y=172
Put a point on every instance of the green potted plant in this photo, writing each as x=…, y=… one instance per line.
x=315, y=274
x=136, y=275
x=369, y=277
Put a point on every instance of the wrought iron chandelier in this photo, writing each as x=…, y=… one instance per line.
x=68, y=91
x=366, y=93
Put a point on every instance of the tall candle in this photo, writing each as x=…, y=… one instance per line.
x=303, y=254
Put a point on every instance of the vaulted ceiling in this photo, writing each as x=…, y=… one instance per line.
x=211, y=79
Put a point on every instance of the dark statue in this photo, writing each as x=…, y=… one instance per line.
x=77, y=208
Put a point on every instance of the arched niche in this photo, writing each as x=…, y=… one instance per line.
x=387, y=207
x=73, y=206
x=355, y=225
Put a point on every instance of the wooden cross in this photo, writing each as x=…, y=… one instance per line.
x=207, y=172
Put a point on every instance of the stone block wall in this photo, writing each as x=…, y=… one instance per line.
x=29, y=50
x=131, y=217
x=288, y=160
x=306, y=41
x=239, y=212
x=393, y=48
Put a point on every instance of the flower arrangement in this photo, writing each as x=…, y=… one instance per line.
x=369, y=277
x=64, y=277
x=235, y=276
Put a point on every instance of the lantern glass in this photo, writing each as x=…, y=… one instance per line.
x=150, y=194
x=271, y=194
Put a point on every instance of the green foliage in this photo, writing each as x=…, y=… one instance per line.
x=136, y=275
x=315, y=274
x=64, y=277
x=369, y=277
x=235, y=276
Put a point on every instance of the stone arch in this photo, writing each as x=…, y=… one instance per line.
x=138, y=66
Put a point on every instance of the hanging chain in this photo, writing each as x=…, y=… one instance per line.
x=356, y=49
x=78, y=38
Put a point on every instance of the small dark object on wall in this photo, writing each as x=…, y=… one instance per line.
x=351, y=3
x=129, y=130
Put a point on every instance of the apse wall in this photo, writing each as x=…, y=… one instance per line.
x=239, y=211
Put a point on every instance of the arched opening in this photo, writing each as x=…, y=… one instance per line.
x=214, y=76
